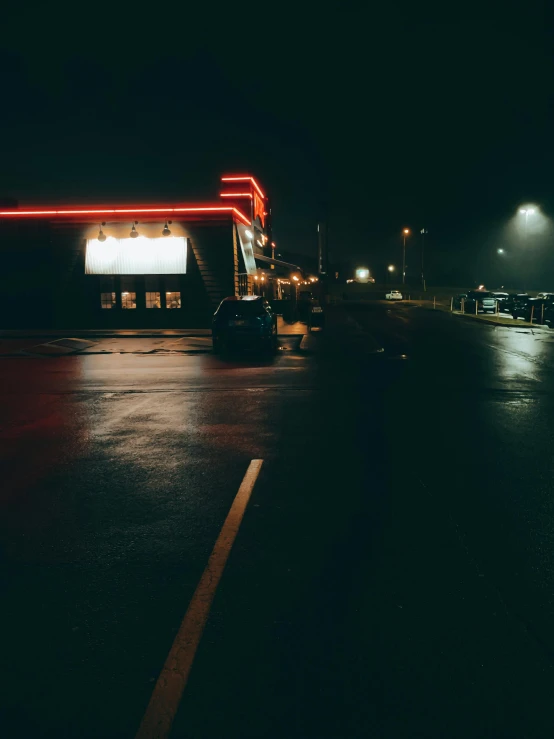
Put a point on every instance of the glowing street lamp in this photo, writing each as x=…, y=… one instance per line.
x=405, y=234
x=391, y=268
x=500, y=251
x=362, y=274
x=527, y=211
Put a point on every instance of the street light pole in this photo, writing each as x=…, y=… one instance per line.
x=405, y=233
x=423, y=232
x=526, y=249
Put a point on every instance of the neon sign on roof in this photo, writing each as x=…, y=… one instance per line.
x=244, y=178
x=165, y=210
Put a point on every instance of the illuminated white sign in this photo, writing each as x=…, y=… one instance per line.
x=166, y=255
x=245, y=238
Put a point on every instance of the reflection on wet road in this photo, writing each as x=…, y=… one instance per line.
x=480, y=399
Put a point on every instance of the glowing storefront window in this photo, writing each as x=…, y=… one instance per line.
x=128, y=300
x=173, y=299
x=107, y=300
x=153, y=300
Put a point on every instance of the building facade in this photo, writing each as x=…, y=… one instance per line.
x=144, y=266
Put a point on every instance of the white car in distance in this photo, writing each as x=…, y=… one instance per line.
x=394, y=295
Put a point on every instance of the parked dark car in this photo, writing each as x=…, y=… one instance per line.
x=548, y=313
x=244, y=321
x=538, y=310
x=544, y=309
x=514, y=300
x=484, y=300
x=521, y=304
x=457, y=303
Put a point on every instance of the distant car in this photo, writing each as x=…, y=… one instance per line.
x=247, y=320
x=537, y=310
x=457, y=301
x=502, y=300
x=477, y=300
x=515, y=299
x=394, y=295
x=541, y=296
x=546, y=316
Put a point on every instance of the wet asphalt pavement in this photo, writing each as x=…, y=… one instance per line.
x=393, y=575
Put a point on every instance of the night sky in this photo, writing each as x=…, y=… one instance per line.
x=406, y=115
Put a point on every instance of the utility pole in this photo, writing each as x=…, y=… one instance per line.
x=405, y=233
x=323, y=252
x=423, y=232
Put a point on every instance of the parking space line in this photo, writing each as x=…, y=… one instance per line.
x=167, y=693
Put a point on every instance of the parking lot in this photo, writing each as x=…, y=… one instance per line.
x=364, y=593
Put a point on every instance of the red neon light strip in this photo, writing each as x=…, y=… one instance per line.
x=235, y=195
x=244, y=178
x=241, y=215
x=116, y=211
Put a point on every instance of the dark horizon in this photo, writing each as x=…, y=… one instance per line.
x=381, y=121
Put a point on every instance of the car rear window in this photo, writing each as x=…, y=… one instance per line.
x=243, y=308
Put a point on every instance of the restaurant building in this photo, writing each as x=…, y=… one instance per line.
x=139, y=266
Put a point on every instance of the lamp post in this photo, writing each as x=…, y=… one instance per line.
x=424, y=231
x=405, y=234
x=390, y=271
x=502, y=268
x=295, y=279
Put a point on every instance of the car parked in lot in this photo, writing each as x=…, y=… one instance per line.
x=537, y=310
x=521, y=305
x=502, y=300
x=244, y=321
x=515, y=300
x=545, y=295
x=525, y=306
x=547, y=315
x=394, y=295
x=457, y=301
x=479, y=300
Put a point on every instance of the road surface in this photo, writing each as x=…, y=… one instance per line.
x=392, y=575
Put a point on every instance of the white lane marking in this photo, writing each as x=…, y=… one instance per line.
x=167, y=693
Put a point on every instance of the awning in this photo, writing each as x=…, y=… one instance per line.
x=277, y=262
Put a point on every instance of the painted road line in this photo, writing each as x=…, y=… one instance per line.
x=163, y=705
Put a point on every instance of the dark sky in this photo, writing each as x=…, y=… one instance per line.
x=405, y=114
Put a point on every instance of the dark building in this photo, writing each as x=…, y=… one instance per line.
x=143, y=266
